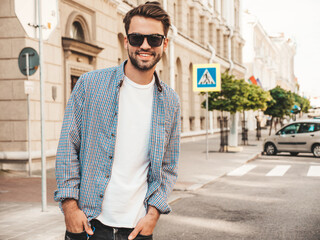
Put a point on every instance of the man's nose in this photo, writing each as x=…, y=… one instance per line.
x=145, y=44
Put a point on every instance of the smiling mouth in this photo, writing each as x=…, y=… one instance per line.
x=145, y=54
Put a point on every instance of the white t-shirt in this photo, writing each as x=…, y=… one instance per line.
x=123, y=202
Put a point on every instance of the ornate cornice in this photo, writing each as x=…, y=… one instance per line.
x=73, y=45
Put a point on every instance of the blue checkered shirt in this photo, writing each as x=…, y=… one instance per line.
x=87, y=142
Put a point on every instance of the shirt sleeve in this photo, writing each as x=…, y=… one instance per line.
x=67, y=160
x=169, y=171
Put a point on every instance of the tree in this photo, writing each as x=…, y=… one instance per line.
x=257, y=98
x=280, y=105
x=236, y=95
x=230, y=98
x=302, y=102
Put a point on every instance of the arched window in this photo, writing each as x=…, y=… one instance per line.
x=76, y=31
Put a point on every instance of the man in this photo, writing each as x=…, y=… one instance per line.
x=119, y=146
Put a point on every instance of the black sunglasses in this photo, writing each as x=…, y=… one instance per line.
x=154, y=40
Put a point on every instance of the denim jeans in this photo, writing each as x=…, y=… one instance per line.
x=103, y=232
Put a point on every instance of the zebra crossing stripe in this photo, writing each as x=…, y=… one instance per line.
x=242, y=170
x=314, y=171
x=278, y=171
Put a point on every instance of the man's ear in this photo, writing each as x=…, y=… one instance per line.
x=125, y=42
x=165, y=44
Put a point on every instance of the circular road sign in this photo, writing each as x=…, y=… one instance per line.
x=33, y=61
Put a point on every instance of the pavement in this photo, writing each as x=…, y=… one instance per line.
x=21, y=203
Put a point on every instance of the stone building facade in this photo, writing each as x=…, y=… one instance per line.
x=285, y=69
x=89, y=35
x=270, y=59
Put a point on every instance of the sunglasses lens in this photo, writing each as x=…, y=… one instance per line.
x=136, y=40
x=154, y=40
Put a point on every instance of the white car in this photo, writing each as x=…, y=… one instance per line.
x=296, y=137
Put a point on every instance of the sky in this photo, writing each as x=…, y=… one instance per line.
x=300, y=20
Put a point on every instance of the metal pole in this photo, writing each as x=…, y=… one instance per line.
x=29, y=132
x=207, y=152
x=43, y=151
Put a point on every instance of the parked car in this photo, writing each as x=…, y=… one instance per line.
x=296, y=137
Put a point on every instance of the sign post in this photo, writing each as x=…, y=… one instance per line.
x=32, y=14
x=28, y=62
x=43, y=149
x=206, y=78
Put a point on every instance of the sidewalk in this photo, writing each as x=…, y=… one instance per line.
x=20, y=196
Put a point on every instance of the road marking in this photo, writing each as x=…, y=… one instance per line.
x=278, y=171
x=242, y=170
x=314, y=171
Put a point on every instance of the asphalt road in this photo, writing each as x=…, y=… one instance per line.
x=273, y=197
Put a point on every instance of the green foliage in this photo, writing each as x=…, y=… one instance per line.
x=256, y=97
x=281, y=103
x=237, y=95
x=302, y=102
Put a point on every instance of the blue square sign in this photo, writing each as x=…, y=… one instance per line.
x=206, y=78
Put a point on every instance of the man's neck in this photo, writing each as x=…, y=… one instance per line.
x=138, y=76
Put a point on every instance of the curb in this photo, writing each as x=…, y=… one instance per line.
x=254, y=158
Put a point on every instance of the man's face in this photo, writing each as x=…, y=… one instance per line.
x=145, y=57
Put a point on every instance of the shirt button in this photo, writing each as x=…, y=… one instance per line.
x=101, y=195
x=115, y=113
x=107, y=176
x=112, y=135
x=110, y=157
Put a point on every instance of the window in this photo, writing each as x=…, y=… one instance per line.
x=240, y=53
x=236, y=18
x=201, y=30
x=225, y=46
x=218, y=42
x=308, y=127
x=211, y=34
x=203, y=123
x=191, y=22
x=291, y=129
x=74, y=80
x=77, y=31
x=179, y=15
x=192, y=121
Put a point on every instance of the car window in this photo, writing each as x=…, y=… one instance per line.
x=311, y=127
x=317, y=127
x=307, y=127
x=291, y=129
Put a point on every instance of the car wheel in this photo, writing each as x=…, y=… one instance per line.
x=316, y=150
x=294, y=153
x=270, y=149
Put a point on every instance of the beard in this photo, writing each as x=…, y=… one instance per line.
x=144, y=65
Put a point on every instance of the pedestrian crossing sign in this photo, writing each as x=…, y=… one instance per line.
x=206, y=78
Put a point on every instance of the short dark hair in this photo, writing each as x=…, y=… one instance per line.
x=149, y=10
